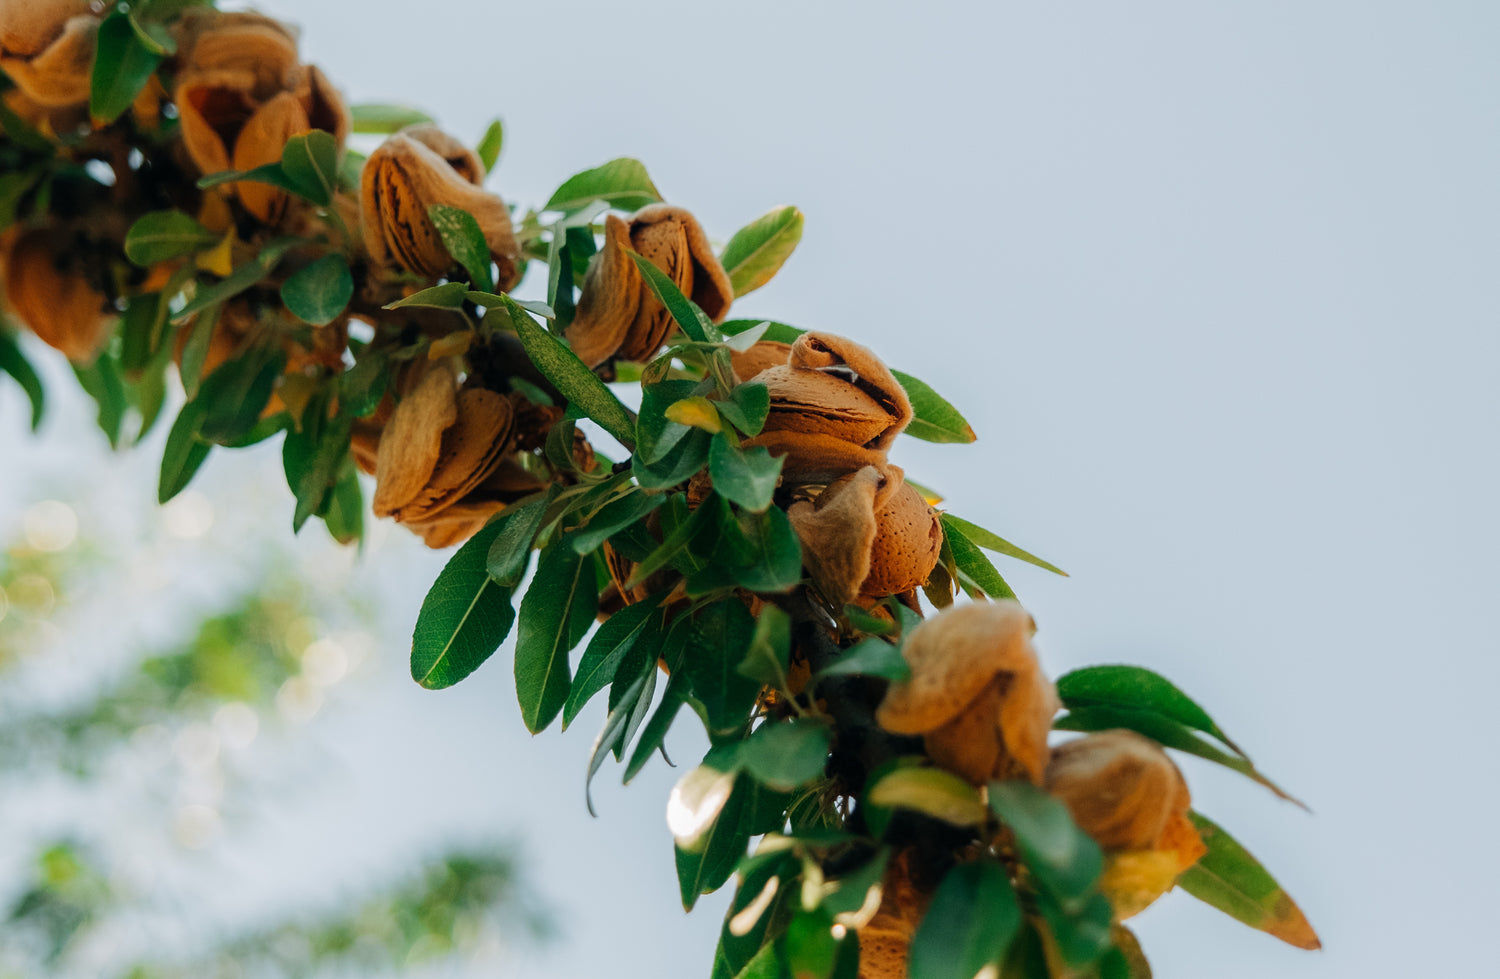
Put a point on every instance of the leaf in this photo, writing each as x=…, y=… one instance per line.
x=870, y=657
x=747, y=407
x=577, y=383
x=774, y=552
x=464, y=240
x=123, y=63
x=1227, y=877
x=163, y=235
x=694, y=412
x=313, y=467
x=677, y=466
x=622, y=184
x=972, y=921
x=931, y=791
x=1138, y=688
x=784, y=755
x=614, y=517
x=489, y=146
x=672, y=699
x=310, y=161
x=101, y=380
x=372, y=117
x=239, y=280
x=346, y=507
x=707, y=814
x=718, y=637
x=808, y=945
x=693, y=320
x=759, y=249
x=972, y=562
x=184, y=452
x=362, y=387
x=778, y=332
x=1166, y=732
x=984, y=538
x=236, y=393
x=656, y=434
x=449, y=295
x=1081, y=934
x=14, y=363
x=933, y=418
x=745, y=476
x=195, y=350
x=1062, y=857
x=464, y=618
x=616, y=729
x=518, y=529
x=319, y=292
x=605, y=652
x=556, y=611
x=770, y=649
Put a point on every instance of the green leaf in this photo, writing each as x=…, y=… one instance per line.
x=518, y=524
x=1167, y=732
x=184, y=452
x=717, y=640
x=489, y=146
x=931, y=791
x=785, y=755
x=1227, y=877
x=372, y=117
x=464, y=618
x=972, y=921
x=672, y=699
x=616, y=731
x=677, y=466
x=313, y=466
x=605, y=652
x=346, y=508
x=693, y=320
x=236, y=393
x=162, y=235
x=657, y=434
x=747, y=407
x=984, y=538
x=449, y=295
x=238, y=280
x=140, y=331
x=759, y=249
x=770, y=649
x=123, y=63
x=1081, y=934
x=759, y=911
x=311, y=162
x=318, y=293
x=972, y=562
x=362, y=387
x=101, y=380
x=870, y=657
x=771, y=558
x=464, y=240
x=708, y=813
x=14, y=363
x=614, y=517
x=622, y=184
x=778, y=332
x=744, y=476
x=577, y=383
x=933, y=418
x=557, y=610
x=1137, y=688
x=810, y=949
x=1062, y=857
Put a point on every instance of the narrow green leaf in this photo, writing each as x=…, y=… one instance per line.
x=449, y=295
x=931, y=791
x=372, y=117
x=464, y=618
x=718, y=846
x=672, y=699
x=1137, y=688
x=464, y=240
x=870, y=657
x=604, y=654
x=519, y=524
x=972, y=562
x=101, y=380
x=490, y=144
x=1228, y=878
x=162, y=235
x=184, y=452
x=747, y=407
x=362, y=387
x=622, y=184
x=615, y=732
x=613, y=518
x=991, y=541
x=972, y=921
x=657, y=434
x=745, y=476
x=787, y=754
x=934, y=419
x=346, y=509
x=759, y=249
x=778, y=332
x=311, y=161
x=318, y=462
x=1062, y=857
x=773, y=552
x=693, y=320
x=14, y=363
x=767, y=659
x=1081, y=932
x=556, y=611
x=238, y=280
x=236, y=393
x=809, y=947
x=319, y=292
x=269, y=173
x=577, y=383
x=718, y=637
x=1167, y=732
x=677, y=466
x=122, y=65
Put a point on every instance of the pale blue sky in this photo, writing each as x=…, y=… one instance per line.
x=1215, y=284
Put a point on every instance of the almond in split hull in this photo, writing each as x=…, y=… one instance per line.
x=471, y=449
x=412, y=442
x=28, y=27
x=60, y=75
x=55, y=301
x=907, y=545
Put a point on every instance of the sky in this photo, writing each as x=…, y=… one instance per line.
x=1215, y=285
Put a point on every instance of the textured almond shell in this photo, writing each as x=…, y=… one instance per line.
x=810, y=457
x=1121, y=788
x=820, y=351
x=705, y=281
x=261, y=141
x=471, y=449
x=822, y=403
x=907, y=544
x=837, y=533
x=762, y=354
x=27, y=27
x=61, y=74
x=61, y=308
x=412, y=442
x=610, y=298
x=259, y=47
